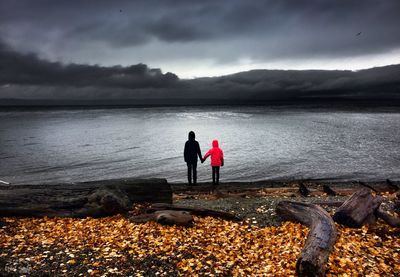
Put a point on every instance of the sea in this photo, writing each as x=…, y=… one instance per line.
x=57, y=145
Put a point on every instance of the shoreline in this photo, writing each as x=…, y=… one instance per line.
x=313, y=183
x=226, y=184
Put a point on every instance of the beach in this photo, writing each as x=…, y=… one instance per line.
x=199, y=138
x=260, y=244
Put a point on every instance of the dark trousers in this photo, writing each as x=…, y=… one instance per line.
x=215, y=175
x=192, y=167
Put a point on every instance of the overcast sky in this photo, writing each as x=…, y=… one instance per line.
x=205, y=38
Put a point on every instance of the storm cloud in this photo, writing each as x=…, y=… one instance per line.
x=25, y=76
x=112, y=50
x=28, y=69
x=172, y=34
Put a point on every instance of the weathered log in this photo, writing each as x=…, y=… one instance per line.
x=380, y=187
x=327, y=189
x=345, y=191
x=367, y=186
x=392, y=185
x=397, y=204
x=391, y=220
x=96, y=198
x=304, y=191
x=169, y=214
x=195, y=211
x=321, y=238
x=165, y=217
x=329, y=203
x=359, y=209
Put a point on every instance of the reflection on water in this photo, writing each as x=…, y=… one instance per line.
x=259, y=143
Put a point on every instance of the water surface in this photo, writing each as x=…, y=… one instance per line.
x=259, y=143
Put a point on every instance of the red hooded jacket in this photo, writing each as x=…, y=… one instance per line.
x=217, y=156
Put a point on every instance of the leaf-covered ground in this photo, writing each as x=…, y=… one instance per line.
x=115, y=246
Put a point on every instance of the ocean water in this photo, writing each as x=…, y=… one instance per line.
x=71, y=145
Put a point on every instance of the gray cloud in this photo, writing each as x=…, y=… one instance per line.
x=28, y=69
x=383, y=82
x=25, y=76
x=260, y=30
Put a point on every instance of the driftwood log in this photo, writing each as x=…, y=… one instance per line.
x=303, y=190
x=327, y=189
x=165, y=217
x=389, y=219
x=321, y=238
x=397, y=203
x=195, y=211
x=364, y=208
x=380, y=187
x=392, y=185
x=168, y=214
x=359, y=209
x=96, y=198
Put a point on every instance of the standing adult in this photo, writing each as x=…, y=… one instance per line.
x=191, y=152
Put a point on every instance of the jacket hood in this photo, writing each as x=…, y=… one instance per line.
x=191, y=135
x=215, y=143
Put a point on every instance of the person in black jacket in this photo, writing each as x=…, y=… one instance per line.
x=191, y=152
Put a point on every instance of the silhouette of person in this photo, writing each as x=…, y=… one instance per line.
x=217, y=160
x=191, y=152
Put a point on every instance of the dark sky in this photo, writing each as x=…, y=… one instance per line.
x=78, y=49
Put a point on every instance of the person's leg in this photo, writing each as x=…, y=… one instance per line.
x=213, y=175
x=194, y=173
x=189, y=173
x=217, y=174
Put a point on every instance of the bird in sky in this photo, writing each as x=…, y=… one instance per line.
x=358, y=34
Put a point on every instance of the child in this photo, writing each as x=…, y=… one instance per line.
x=217, y=160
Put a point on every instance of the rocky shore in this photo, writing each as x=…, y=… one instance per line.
x=255, y=202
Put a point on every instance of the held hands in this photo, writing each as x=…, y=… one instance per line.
x=202, y=160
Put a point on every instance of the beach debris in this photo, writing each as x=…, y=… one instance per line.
x=165, y=217
x=94, y=198
x=320, y=240
x=195, y=211
x=392, y=185
x=303, y=190
x=381, y=187
x=169, y=214
x=327, y=189
x=363, y=207
x=359, y=209
x=390, y=219
x=367, y=186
